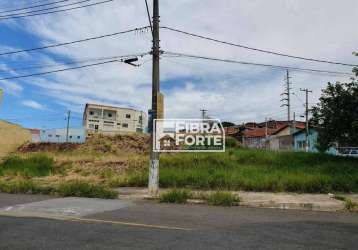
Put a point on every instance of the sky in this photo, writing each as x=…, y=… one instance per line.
x=322, y=29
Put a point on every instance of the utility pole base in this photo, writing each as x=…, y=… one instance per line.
x=153, y=185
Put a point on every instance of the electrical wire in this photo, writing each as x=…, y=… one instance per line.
x=41, y=66
x=45, y=9
x=33, y=6
x=62, y=70
x=56, y=11
x=73, y=42
x=256, y=64
x=149, y=16
x=256, y=49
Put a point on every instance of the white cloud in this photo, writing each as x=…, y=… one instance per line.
x=232, y=92
x=33, y=104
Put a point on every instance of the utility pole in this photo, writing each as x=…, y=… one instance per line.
x=307, y=114
x=266, y=128
x=287, y=93
x=68, y=125
x=153, y=183
x=203, y=113
x=294, y=123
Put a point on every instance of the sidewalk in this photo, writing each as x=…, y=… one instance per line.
x=313, y=202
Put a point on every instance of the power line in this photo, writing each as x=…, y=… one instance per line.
x=72, y=42
x=60, y=70
x=56, y=11
x=41, y=66
x=256, y=64
x=149, y=16
x=45, y=9
x=256, y=49
x=33, y=6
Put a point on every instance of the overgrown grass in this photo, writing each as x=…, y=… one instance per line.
x=24, y=186
x=179, y=196
x=219, y=198
x=73, y=188
x=85, y=189
x=34, y=166
x=253, y=170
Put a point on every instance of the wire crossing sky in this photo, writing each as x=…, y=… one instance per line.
x=228, y=58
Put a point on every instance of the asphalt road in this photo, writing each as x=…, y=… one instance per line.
x=161, y=226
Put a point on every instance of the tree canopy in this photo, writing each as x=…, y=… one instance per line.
x=336, y=115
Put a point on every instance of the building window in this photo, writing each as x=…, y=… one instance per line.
x=57, y=136
x=125, y=125
x=49, y=135
x=91, y=126
x=78, y=137
x=70, y=136
x=91, y=113
x=110, y=115
x=128, y=116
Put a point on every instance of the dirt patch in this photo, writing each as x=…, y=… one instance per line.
x=47, y=147
x=133, y=143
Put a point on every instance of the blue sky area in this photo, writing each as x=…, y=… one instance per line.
x=236, y=93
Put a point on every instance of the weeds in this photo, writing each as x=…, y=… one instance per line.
x=219, y=198
x=34, y=166
x=85, y=189
x=179, y=196
x=351, y=205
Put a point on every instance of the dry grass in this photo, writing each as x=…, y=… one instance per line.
x=12, y=136
x=101, y=160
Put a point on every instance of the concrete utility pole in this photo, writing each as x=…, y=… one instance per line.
x=153, y=184
x=203, y=113
x=287, y=93
x=307, y=114
x=68, y=124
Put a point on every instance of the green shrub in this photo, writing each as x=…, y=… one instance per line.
x=34, y=166
x=230, y=142
x=85, y=189
x=179, y=196
x=222, y=199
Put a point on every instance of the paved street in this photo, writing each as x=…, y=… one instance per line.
x=147, y=225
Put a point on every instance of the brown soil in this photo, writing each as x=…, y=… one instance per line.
x=134, y=143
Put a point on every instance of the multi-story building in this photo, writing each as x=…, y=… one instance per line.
x=113, y=120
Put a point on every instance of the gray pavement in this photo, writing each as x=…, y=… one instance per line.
x=149, y=225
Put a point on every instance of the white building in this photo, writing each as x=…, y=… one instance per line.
x=113, y=120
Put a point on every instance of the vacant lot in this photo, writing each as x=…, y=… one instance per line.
x=123, y=161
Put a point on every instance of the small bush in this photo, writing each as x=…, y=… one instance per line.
x=175, y=196
x=231, y=142
x=226, y=199
x=85, y=189
x=35, y=166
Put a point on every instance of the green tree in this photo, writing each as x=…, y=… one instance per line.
x=336, y=115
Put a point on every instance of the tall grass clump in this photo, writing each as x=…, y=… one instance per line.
x=219, y=198
x=23, y=186
x=179, y=196
x=34, y=166
x=85, y=189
